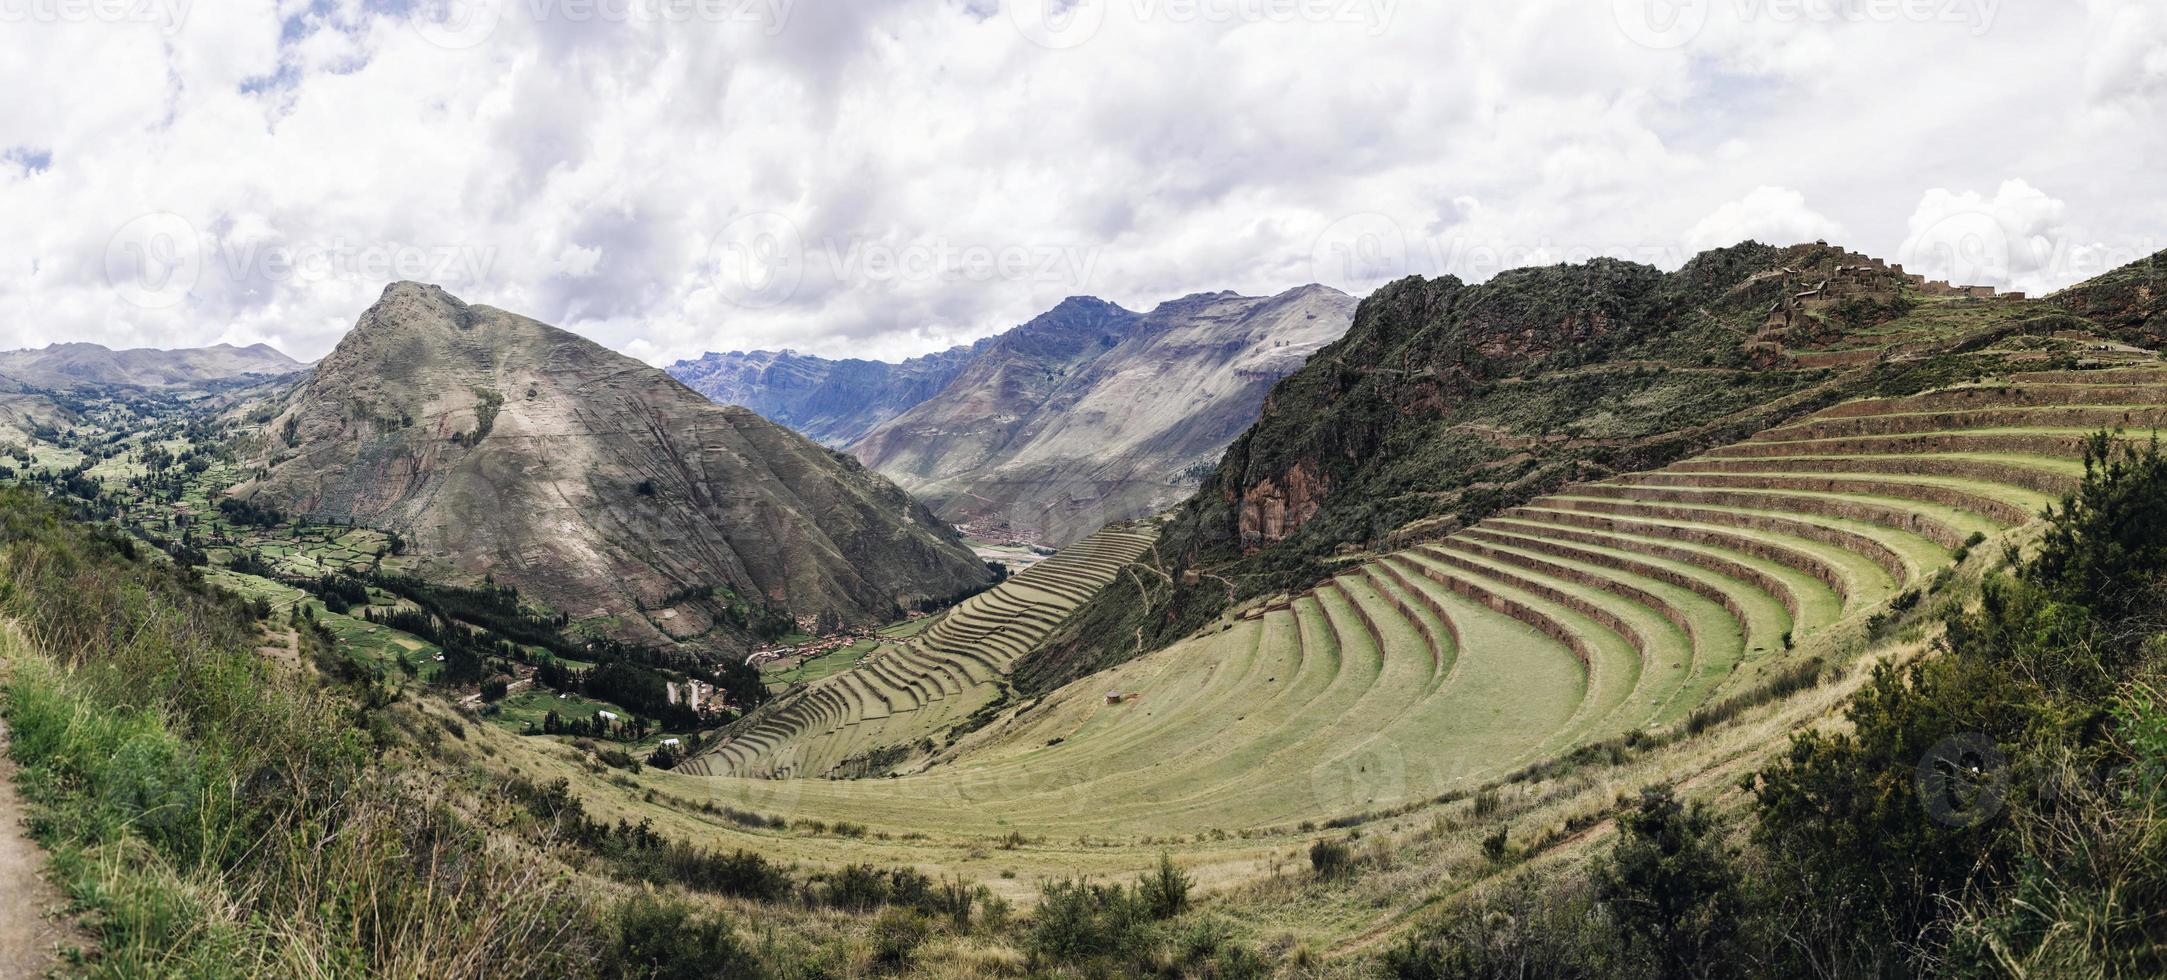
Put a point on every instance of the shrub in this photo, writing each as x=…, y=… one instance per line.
x=1494, y=845
x=897, y=934
x=660, y=939
x=1082, y=924
x=1165, y=892
x=1330, y=858
x=1671, y=891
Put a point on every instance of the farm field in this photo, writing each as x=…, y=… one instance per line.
x=1613, y=607
x=932, y=677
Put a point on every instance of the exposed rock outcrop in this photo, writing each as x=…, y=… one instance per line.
x=502, y=446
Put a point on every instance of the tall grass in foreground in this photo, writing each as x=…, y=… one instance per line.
x=217, y=816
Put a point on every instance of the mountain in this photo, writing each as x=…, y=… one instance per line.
x=1449, y=401
x=502, y=446
x=1092, y=413
x=834, y=403
x=67, y=365
x=2129, y=302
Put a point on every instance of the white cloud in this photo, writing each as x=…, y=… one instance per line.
x=2019, y=238
x=946, y=176
x=1771, y=215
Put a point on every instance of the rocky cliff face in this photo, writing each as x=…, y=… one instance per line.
x=70, y=365
x=2130, y=302
x=834, y=403
x=1419, y=350
x=1092, y=413
x=502, y=446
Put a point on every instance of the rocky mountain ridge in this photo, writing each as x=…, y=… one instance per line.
x=834, y=403
x=508, y=448
x=1092, y=413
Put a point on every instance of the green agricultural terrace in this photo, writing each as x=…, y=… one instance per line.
x=904, y=693
x=1617, y=606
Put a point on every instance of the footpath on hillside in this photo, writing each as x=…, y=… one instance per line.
x=28, y=935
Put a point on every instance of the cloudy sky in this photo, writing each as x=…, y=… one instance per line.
x=887, y=177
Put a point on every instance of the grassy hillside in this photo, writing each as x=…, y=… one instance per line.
x=1449, y=402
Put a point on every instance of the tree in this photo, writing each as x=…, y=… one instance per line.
x=1165, y=892
x=1669, y=887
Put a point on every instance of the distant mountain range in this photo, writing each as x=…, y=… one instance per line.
x=69, y=365
x=832, y=402
x=1087, y=414
x=502, y=446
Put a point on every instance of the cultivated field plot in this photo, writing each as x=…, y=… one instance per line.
x=921, y=685
x=1613, y=606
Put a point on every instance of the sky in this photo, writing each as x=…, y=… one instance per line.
x=885, y=178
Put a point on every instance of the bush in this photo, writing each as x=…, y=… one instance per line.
x=1330, y=858
x=1165, y=892
x=659, y=939
x=1082, y=924
x=1494, y=845
x=897, y=934
x=1670, y=890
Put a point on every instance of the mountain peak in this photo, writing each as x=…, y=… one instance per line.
x=502, y=445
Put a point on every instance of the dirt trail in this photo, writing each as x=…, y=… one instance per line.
x=28, y=936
